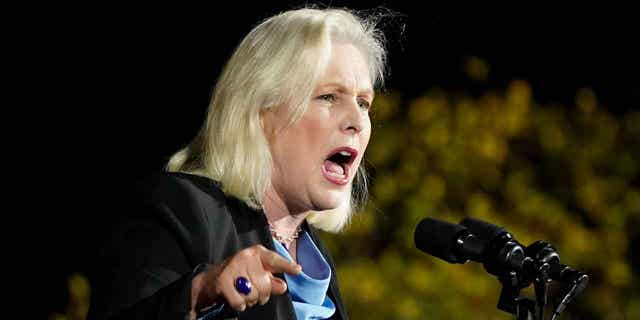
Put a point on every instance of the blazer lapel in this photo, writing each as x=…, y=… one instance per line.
x=334, y=290
x=280, y=305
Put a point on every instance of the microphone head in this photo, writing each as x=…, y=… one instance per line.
x=439, y=238
x=483, y=230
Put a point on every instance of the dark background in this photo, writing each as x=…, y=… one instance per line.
x=122, y=87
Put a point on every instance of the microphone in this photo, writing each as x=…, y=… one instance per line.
x=545, y=257
x=458, y=244
x=515, y=265
x=540, y=251
x=503, y=249
x=450, y=242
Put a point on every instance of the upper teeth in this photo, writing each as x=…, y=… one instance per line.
x=345, y=153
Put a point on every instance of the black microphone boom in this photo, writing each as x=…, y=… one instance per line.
x=545, y=263
x=458, y=244
x=503, y=252
x=515, y=265
x=540, y=251
x=447, y=241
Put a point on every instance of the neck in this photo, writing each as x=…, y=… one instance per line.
x=279, y=216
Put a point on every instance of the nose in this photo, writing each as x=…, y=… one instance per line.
x=353, y=118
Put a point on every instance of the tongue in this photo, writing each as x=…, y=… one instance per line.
x=333, y=167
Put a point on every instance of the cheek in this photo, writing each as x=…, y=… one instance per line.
x=312, y=132
x=298, y=147
x=365, y=133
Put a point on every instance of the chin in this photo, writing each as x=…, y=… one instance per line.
x=330, y=199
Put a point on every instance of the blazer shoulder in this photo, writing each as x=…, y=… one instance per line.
x=191, y=208
x=196, y=206
x=175, y=184
x=189, y=199
x=199, y=198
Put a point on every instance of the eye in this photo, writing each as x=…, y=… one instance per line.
x=329, y=97
x=364, y=104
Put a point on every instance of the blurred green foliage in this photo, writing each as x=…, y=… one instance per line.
x=79, y=293
x=566, y=174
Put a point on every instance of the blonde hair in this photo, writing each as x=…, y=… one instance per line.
x=277, y=64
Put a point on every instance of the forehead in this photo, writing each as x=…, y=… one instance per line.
x=347, y=67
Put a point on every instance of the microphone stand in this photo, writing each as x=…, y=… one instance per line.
x=510, y=300
x=515, y=266
x=506, y=259
x=541, y=269
x=524, y=308
x=541, y=286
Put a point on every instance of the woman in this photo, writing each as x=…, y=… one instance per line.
x=232, y=225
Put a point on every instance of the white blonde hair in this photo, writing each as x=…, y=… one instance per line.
x=277, y=64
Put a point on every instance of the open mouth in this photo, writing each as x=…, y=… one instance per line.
x=337, y=165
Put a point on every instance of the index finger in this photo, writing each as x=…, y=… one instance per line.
x=273, y=262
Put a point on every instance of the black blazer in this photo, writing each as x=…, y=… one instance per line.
x=146, y=267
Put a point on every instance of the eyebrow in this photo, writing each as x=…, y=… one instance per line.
x=342, y=88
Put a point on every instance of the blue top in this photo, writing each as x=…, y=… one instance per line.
x=309, y=288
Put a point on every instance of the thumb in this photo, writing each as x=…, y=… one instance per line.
x=278, y=286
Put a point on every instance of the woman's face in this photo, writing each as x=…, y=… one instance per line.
x=316, y=158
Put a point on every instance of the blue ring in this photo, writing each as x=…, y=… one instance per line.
x=243, y=285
